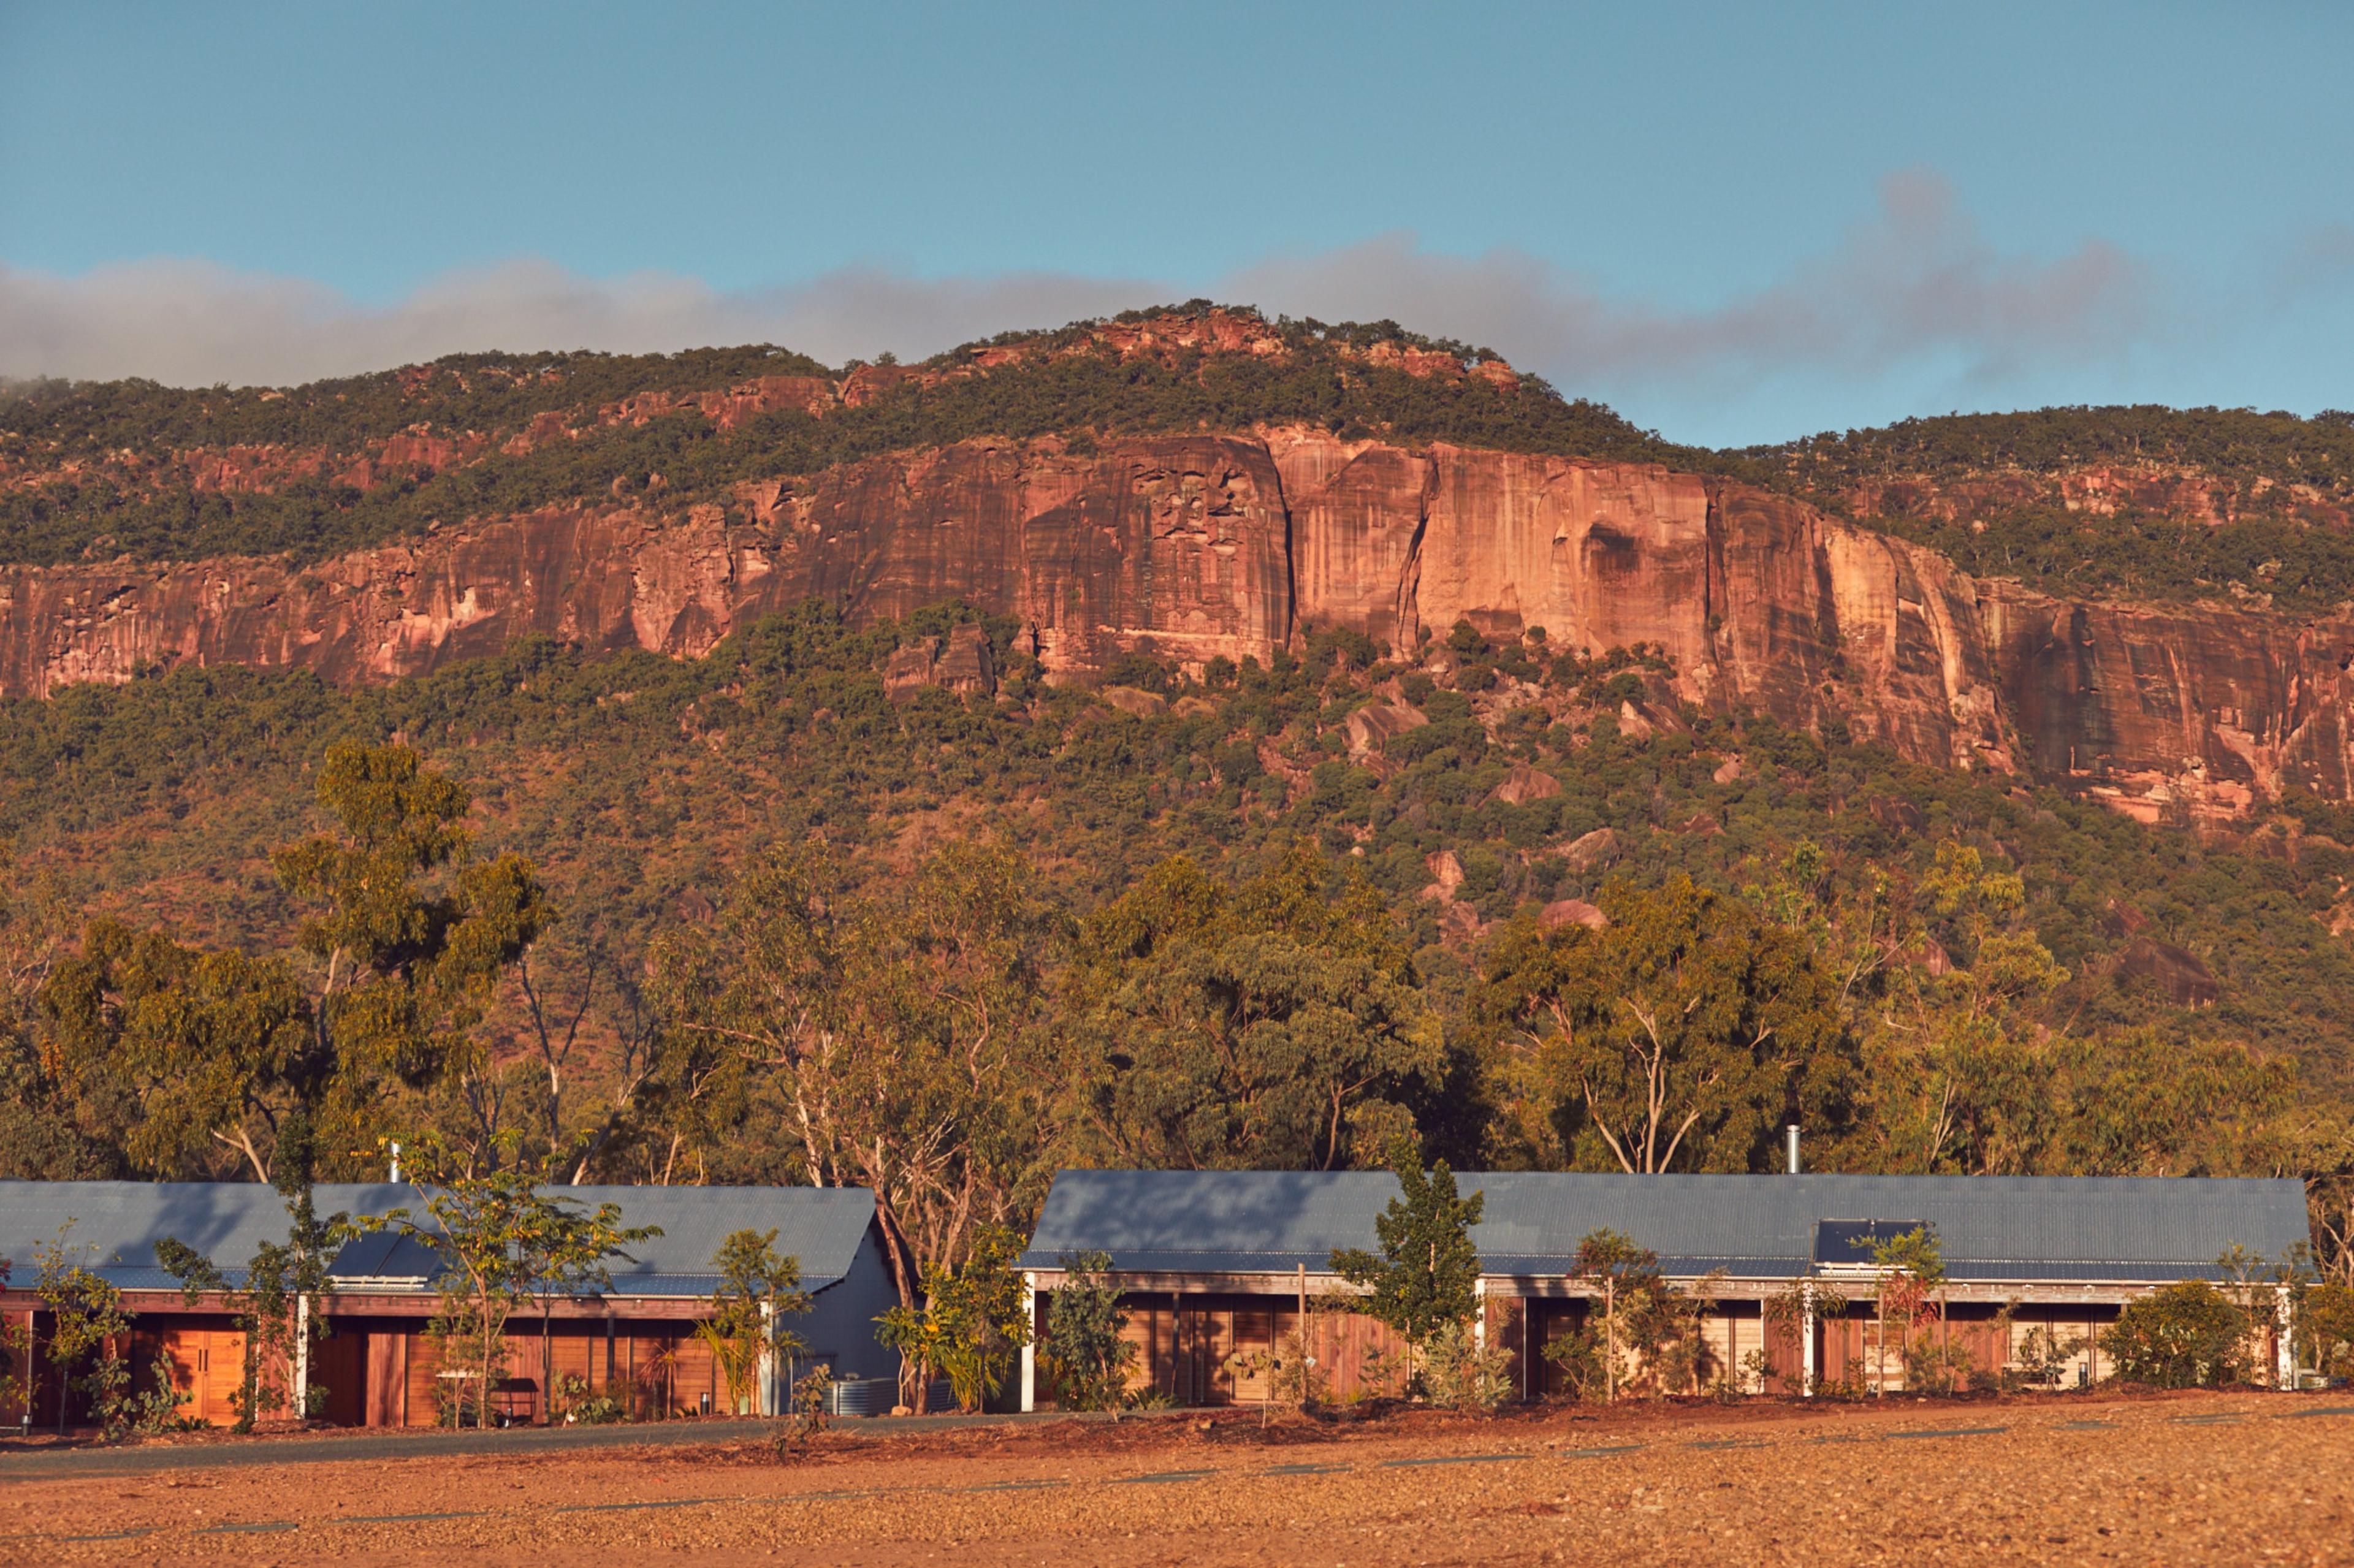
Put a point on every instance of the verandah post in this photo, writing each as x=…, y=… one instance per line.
x=302, y=1356
x=1029, y=1345
x=1806, y=1340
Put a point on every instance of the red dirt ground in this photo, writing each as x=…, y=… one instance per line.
x=2084, y=1478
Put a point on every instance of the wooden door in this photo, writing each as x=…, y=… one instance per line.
x=1254, y=1352
x=387, y=1402
x=208, y=1365
x=339, y=1365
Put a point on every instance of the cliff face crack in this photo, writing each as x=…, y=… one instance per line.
x=1289, y=630
x=1406, y=617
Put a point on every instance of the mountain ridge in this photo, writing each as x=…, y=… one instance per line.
x=1122, y=487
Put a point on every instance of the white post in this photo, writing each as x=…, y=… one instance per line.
x=302, y=1355
x=1806, y=1340
x=1479, y=1313
x=2284, y=1351
x=765, y=1402
x=1029, y=1345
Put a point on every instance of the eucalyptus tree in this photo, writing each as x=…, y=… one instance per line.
x=410, y=934
x=888, y=1037
x=1278, y=1023
x=1681, y=1035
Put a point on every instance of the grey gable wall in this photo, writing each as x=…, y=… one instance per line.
x=839, y=1328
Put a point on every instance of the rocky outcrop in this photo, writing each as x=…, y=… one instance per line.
x=1198, y=547
x=2180, y=975
x=962, y=662
x=2179, y=712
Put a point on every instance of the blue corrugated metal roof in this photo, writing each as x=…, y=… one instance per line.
x=116, y=1225
x=1990, y=1227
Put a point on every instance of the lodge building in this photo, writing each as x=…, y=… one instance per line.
x=1216, y=1265
x=1216, y=1270
x=376, y=1362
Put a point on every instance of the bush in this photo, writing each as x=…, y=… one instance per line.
x=1082, y=1348
x=1578, y=1353
x=2329, y=1329
x=576, y=1406
x=2189, y=1335
x=1460, y=1373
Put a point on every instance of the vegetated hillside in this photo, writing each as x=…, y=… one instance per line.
x=2136, y=503
x=1199, y=481
x=2086, y=1016
x=158, y=473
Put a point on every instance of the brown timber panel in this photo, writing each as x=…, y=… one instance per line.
x=1192, y=1349
x=1554, y=1321
x=1360, y=1358
x=1980, y=1335
x=387, y=1371
x=655, y=1362
x=1785, y=1354
x=1150, y=1329
x=580, y=1353
x=1847, y=1360
x=339, y=1364
x=210, y=1364
x=1257, y=1329
x=696, y=1374
x=1206, y=1334
x=20, y=1326
x=421, y=1387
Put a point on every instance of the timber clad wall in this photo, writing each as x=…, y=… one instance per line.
x=655, y=1372
x=386, y=1372
x=1196, y=1349
x=1199, y=1347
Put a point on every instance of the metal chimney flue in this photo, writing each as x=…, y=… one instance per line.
x=1790, y=1136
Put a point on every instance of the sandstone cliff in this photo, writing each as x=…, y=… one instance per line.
x=1200, y=547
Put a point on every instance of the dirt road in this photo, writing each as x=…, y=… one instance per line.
x=2207, y=1478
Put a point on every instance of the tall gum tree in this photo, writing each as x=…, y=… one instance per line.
x=894, y=1038
x=415, y=932
x=1278, y=1023
x=1679, y=1036
x=207, y=1051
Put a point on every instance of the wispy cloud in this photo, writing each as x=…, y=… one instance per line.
x=1917, y=281
x=194, y=324
x=1917, y=284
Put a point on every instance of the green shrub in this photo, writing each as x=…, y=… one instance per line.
x=2327, y=1322
x=2189, y=1335
x=1082, y=1347
x=1460, y=1373
x=575, y=1405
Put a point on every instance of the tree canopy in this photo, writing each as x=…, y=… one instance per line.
x=752, y=918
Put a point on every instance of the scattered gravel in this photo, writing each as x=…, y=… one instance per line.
x=2201, y=1478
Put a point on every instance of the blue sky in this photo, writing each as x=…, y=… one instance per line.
x=1736, y=222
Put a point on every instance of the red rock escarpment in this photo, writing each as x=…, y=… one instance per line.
x=1199, y=546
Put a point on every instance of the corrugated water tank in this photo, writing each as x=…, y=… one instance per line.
x=876, y=1395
